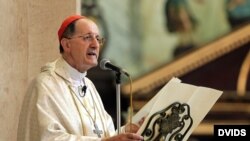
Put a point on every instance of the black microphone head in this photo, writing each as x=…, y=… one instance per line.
x=106, y=65
x=103, y=63
x=84, y=88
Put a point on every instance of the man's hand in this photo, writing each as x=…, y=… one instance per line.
x=133, y=128
x=125, y=137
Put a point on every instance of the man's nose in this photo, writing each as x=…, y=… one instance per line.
x=95, y=42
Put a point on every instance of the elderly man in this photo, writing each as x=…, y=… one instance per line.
x=62, y=104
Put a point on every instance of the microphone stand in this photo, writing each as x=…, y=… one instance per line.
x=118, y=101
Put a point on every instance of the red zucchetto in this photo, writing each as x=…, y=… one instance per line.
x=66, y=23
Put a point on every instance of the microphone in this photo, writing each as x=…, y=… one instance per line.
x=84, y=88
x=105, y=64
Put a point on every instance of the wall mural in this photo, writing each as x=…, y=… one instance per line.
x=143, y=35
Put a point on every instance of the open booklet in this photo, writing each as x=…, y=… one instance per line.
x=175, y=111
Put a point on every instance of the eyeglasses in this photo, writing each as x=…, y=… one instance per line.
x=89, y=38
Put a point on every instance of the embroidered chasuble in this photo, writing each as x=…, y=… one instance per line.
x=62, y=104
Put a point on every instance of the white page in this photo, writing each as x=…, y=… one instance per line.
x=199, y=99
x=145, y=110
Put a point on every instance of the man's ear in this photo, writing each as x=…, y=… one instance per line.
x=65, y=44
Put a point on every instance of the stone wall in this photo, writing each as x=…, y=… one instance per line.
x=28, y=40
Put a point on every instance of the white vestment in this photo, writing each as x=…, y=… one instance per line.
x=53, y=110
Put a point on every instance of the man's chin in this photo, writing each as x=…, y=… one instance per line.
x=92, y=65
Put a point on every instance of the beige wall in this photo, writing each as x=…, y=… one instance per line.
x=28, y=39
